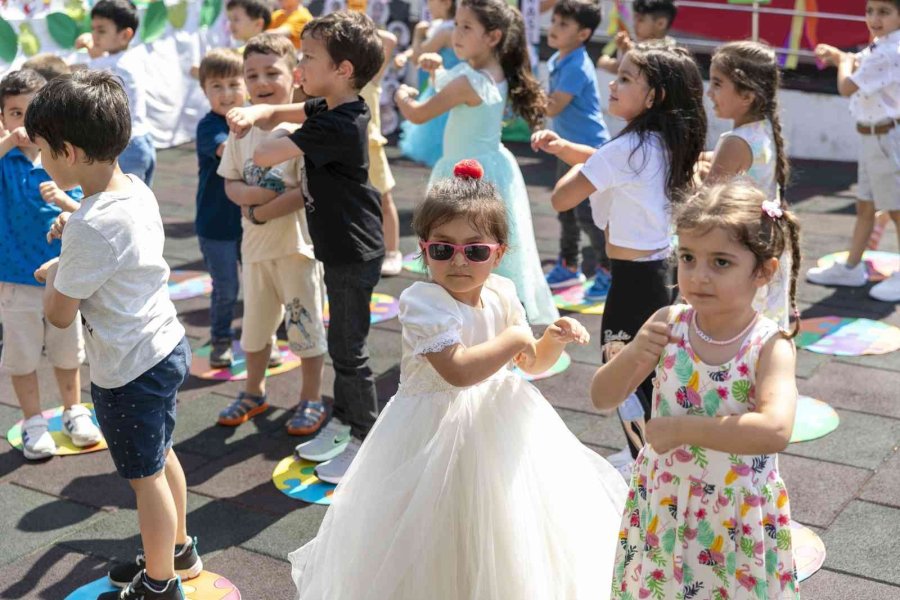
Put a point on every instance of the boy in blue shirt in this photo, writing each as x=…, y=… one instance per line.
x=29, y=204
x=218, y=221
x=574, y=105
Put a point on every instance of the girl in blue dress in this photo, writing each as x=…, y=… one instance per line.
x=489, y=38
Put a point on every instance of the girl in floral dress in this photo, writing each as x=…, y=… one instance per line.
x=707, y=516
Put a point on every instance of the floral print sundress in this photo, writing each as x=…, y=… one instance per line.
x=700, y=524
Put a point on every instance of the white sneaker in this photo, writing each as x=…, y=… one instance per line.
x=335, y=469
x=393, y=263
x=839, y=274
x=79, y=426
x=37, y=443
x=331, y=441
x=888, y=290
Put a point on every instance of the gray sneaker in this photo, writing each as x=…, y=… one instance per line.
x=331, y=441
x=221, y=355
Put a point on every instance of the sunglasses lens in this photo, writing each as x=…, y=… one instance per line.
x=478, y=252
x=440, y=251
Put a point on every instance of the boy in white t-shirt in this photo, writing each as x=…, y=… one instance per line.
x=281, y=276
x=113, y=26
x=872, y=80
x=111, y=268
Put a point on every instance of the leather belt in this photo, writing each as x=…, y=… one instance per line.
x=881, y=129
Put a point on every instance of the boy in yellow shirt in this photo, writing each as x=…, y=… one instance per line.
x=290, y=20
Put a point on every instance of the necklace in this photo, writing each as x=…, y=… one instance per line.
x=703, y=336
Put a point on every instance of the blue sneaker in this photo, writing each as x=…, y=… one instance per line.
x=600, y=288
x=562, y=277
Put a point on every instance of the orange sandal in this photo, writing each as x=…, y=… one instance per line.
x=245, y=407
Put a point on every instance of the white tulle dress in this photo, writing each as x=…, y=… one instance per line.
x=474, y=493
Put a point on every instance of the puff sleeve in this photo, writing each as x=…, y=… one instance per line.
x=481, y=82
x=430, y=317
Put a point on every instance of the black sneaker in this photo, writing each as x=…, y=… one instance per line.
x=221, y=355
x=187, y=566
x=138, y=590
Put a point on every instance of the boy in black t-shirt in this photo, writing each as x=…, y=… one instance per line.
x=341, y=53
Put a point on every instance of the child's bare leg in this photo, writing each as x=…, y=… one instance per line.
x=69, y=382
x=391, y=223
x=862, y=229
x=312, y=368
x=257, y=363
x=178, y=487
x=26, y=388
x=157, y=519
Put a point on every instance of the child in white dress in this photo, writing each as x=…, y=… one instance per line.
x=469, y=486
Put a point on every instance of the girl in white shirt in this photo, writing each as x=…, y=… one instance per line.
x=631, y=182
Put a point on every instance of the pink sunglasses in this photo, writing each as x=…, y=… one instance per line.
x=444, y=251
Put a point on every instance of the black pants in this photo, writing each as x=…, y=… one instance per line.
x=573, y=222
x=638, y=290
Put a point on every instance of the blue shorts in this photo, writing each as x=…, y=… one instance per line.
x=139, y=158
x=138, y=418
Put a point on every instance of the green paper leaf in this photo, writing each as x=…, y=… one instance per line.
x=153, y=23
x=28, y=41
x=178, y=14
x=209, y=12
x=63, y=29
x=9, y=41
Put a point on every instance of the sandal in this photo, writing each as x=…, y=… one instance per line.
x=308, y=417
x=245, y=407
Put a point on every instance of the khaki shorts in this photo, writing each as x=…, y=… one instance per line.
x=26, y=333
x=879, y=170
x=289, y=288
x=379, y=170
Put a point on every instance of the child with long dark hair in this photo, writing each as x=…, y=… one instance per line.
x=632, y=182
x=489, y=38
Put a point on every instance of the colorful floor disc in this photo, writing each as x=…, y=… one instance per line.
x=383, y=308
x=238, y=371
x=843, y=336
x=809, y=551
x=561, y=365
x=206, y=586
x=879, y=265
x=64, y=445
x=814, y=419
x=189, y=284
x=414, y=264
x=571, y=299
x=297, y=479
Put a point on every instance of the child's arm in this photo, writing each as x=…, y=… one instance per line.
x=459, y=91
x=276, y=149
x=845, y=63
x=557, y=102
x=265, y=116
x=547, y=350
x=435, y=43
x=285, y=204
x=388, y=44
x=571, y=190
x=59, y=309
x=621, y=374
x=51, y=194
x=732, y=158
x=765, y=431
x=12, y=139
x=569, y=152
x=461, y=366
x=247, y=195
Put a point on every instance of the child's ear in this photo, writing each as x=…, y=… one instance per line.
x=346, y=70
x=766, y=272
x=499, y=255
x=494, y=37
x=127, y=35
x=584, y=34
x=71, y=154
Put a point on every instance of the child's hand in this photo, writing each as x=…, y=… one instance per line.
x=527, y=357
x=19, y=137
x=56, y=230
x=662, y=434
x=650, y=342
x=623, y=41
x=405, y=92
x=85, y=40
x=431, y=62
x=546, y=141
x=567, y=330
x=828, y=54
x=421, y=29
x=400, y=60
x=241, y=119
x=51, y=194
x=40, y=274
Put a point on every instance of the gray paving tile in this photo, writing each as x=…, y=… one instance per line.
x=819, y=490
x=269, y=578
x=829, y=585
x=865, y=540
x=860, y=440
x=855, y=388
x=884, y=486
x=31, y=520
x=49, y=574
x=287, y=533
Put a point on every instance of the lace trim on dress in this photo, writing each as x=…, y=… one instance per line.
x=437, y=342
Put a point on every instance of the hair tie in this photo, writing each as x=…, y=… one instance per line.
x=772, y=208
x=468, y=168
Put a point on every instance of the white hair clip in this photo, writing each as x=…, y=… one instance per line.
x=773, y=209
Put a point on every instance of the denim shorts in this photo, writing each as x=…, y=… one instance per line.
x=138, y=418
